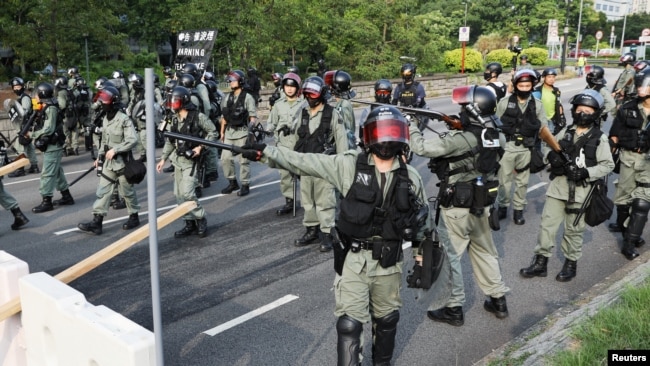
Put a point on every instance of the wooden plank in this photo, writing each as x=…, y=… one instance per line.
x=13, y=306
x=20, y=162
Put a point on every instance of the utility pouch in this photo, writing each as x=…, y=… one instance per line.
x=42, y=143
x=390, y=253
x=463, y=195
x=529, y=141
x=446, y=196
x=341, y=248
x=486, y=194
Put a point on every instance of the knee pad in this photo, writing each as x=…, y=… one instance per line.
x=638, y=219
x=640, y=205
x=389, y=321
x=348, y=326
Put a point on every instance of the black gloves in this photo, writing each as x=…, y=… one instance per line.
x=576, y=174
x=253, y=151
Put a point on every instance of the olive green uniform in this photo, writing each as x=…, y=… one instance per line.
x=625, y=83
x=634, y=168
x=28, y=149
x=610, y=103
x=185, y=170
x=344, y=107
x=52, y=176
x=281, y=118
x=466, y=230
x=516, y=157
x=7, y=201
x=237, y=136
x=71, y=121
x=120, y=136
x=557, y=196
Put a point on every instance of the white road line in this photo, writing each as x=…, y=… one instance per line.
x=250, y=315
x=538, y=185
x=162, y=208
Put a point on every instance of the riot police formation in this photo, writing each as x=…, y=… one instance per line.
x=185, y=156
x=624, y=87
x=549, y=95
x=589, y=160
x=65, y=98
x=239, y=110
x=491, y=76
x=48, y=137
x=339, y=82
x=523, y=120
x=630, y=135
x=18, y=121
x=277, y=83
x=281, y=122
x=377, y=214
x=319, y=130
x=409, y=93
x=83, y=98
x=465, y=161
x=118, y=138
x=596, y=81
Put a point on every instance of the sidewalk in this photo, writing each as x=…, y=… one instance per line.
x=553, y=333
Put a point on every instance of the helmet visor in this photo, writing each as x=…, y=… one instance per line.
x=384, y=130
x=329, y=77
x=312, y=90
x=643, y=86
x=105, y=97
x=175, y=103
x=463, y=94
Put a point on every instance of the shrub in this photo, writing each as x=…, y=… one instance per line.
x=536, y=56
x=473, y=60
x=502, y=56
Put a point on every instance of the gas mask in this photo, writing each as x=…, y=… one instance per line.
x=18, y=92
x=523, y=94
x=487, y=75
x=386, y=150
x=583, y=119
x=313, y=103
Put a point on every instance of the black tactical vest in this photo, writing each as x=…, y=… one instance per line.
x=589, y=142
x=315, y=142
x=408, y=96
x=235, y=112
x=190, y=126
x=517, y=123
x=499, y=90
x=627, y=126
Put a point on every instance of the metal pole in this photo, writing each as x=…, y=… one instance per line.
x=153, y=222
x=623, y=32
x=565, y=40
x=578, y=38
x=87, y=63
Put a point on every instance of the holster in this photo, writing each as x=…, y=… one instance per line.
x=341, y=248
x=432, y=258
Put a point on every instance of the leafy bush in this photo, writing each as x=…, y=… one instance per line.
x=536, y=56
x=502, y=56
x=473, y=60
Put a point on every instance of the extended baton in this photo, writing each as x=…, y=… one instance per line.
x=83, y=175
x=198, y=140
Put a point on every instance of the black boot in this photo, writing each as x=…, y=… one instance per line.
x=232, y=186
x=189, y=229
x=20, y=172
x=450, y=315
x=568, y=271
x=169, y=169
x=66, y=199
x=629, y=250
x=212, y=176
x=198, y=191
x=287, y=208
x=132, y=222
x=310, y=237
x=19, y=219
x=518, y=217
x=496, y=306
x=326, y=243
x=33, y=169
x=383, y=338
x=503, y=212
x=245, y=189
x=94, y=226
x=536, y=269
x=202, y=227
x=46, y=205
x=622, y=213
x=348, y=345
x=632, y=234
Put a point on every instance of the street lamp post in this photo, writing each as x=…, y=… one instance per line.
x=566, y=38
x=578, y=38
x=87, y=63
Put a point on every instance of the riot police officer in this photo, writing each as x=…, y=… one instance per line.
x=629, y=134
x=118, y=138
x=49, y=138
x=185, y=155
x=624, y=87
x=586, y=142
x=339, y=83
x=491, y=75
x=409, y=92
x=23, y=145
x=596, y=81
x=65, y=97
x=280, y=122
x=549, y=95
x=277, y=93
x=9, y=203
x=118, y=80
x=376, y=216
x=464, y=174
x=201, y=90
x=254, y=84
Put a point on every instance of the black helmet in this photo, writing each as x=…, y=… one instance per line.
x=236, y=75
x=170, y=85
x=61, y=82
x=549, y=71
x=525, y=75
x=137, y=81
x=99, y=83
x=641, y=65
x=181, y=98
x=314, y=87
x=294, y=69
x=45, y=91
x=627, y=59
x=477, y=102
x=383, y=90
x=156, y=80
x=109, y=95
x=168, y=72
x=523, y=57
x=642, y=79
x=80, y=82
x=277, y=79
x=17, y=81
x=187, y=81
x=117, y=74
x=212, y=86
x=408, y=72
x=191, y=69
x=74, y=70
x=251, y=71
x=291, y=79
x=596, y=76
x=492, y=68
x=589, y=98
x=385, y=132
x=339, y=81
x=208, y=75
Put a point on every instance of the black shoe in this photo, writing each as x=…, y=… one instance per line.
x=94, y=226
x=20, y=172
x=503, y=213
x=202, y=227
x=326, y=243
x=212, y=176
x=244, y=190
x=232, y=186
x=66, y=199
x=629, y=250
x=496, y=306
x=639, y=243
x=33, y=169
x=310, y=237
x=518, y=217
x=287, y=208
x=614, y=227
x=133, y=222
x=19, y=219
x=46, y=205
x=169, y=169
x=206, y=183
x=536, y=269
x=189, y=229
x=450, y=315
x=198, y=191
x=568, y=271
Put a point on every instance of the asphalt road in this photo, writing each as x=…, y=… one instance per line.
x=264, y=301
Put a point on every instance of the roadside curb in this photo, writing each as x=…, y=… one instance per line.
x=553, y=332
